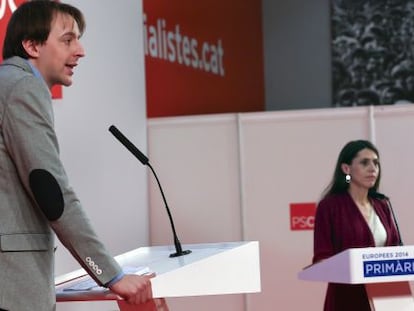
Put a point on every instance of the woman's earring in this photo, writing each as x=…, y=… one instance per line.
x=347, y=178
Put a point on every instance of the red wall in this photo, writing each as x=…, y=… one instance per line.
x=203, y=56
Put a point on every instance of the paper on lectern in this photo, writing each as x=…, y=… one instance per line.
x=86, y=283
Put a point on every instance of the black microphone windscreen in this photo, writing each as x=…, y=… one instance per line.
x=130, y=146
x=378, y=195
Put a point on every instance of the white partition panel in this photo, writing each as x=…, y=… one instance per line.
x=289, y=157
x=196, y=160
x=394, y=129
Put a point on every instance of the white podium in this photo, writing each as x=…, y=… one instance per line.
x=210, y=269
x=385, y=271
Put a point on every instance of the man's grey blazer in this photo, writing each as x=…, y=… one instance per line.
x=36, y=198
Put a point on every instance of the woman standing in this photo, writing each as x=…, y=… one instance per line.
x=352, y=214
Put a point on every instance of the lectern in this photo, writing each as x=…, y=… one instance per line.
x=385, y=271
x=210, y=269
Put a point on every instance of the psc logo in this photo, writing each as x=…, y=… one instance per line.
x=302, y=216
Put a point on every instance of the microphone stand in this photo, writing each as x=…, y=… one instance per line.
x=395, y=220
x=381, y=196
x=178, y=249
x=144, y=160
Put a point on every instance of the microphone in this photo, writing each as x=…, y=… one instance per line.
x=378, y=195
x=144, y=160
x=381, y=196
x=130, y=146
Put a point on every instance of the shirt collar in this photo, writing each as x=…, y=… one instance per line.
x=36, y=71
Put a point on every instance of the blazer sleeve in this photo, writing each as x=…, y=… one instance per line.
x=30, y=138
x=323, y=246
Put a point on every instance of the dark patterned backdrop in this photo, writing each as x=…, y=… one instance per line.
x=372, y=52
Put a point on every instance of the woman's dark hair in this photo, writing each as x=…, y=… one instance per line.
x=32, y=21
x=347, y=154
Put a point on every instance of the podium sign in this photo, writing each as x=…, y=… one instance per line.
x=210, y=269
x=385, y=271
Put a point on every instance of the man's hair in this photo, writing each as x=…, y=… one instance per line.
x=32, y=21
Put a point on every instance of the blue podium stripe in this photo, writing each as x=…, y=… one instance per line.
x=378, y=268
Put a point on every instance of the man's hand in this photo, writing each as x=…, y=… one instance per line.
x=134, y=289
